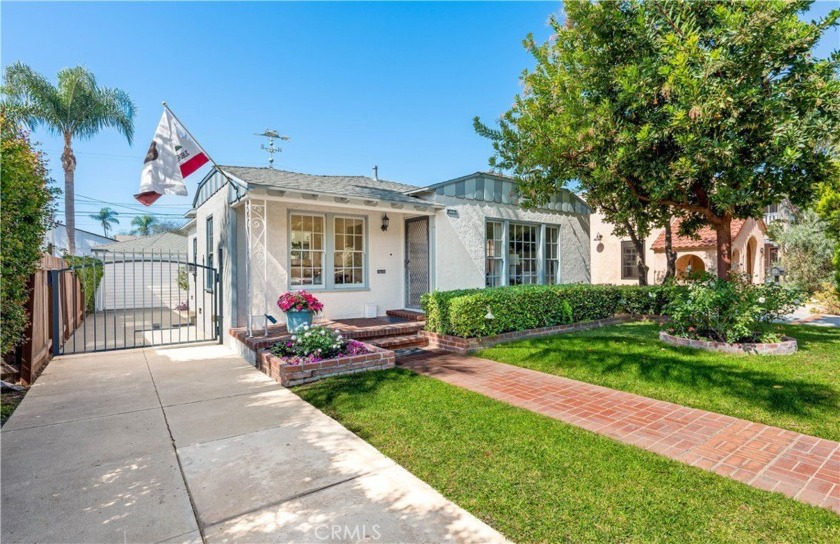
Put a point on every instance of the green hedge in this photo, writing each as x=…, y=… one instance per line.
x=464, y=312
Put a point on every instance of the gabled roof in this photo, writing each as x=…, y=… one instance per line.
x=163, y=242
x=341, y=186
x=706, y=237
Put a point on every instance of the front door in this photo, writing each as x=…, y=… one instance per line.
x=416, y=260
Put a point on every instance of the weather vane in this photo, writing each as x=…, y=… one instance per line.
x=270, y=148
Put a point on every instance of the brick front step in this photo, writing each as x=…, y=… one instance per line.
x=412, y=315
x=400, y=342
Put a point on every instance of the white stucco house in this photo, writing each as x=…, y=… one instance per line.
x=614, y=259
x=364, y=245
x=55, y=241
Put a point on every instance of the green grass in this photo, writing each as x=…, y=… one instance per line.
x=536, y=479
x=8, y=402
x=800, y=392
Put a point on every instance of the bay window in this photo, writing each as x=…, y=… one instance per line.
x=494, y=253
x=521, y=253
x=552, y=255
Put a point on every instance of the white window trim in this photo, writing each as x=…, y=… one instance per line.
x=364, y=252
x=541, y=228
x=328, y=257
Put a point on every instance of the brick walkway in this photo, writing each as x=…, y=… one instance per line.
x=800, y=466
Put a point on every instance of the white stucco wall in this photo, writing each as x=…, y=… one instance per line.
x=224, y=246
x=385, y=269
x=459, y=241
x=606, y=254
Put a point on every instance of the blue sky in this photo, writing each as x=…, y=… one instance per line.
x=353, y=84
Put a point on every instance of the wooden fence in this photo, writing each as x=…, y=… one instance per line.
x=37, y=349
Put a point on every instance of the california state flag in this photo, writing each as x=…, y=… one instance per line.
x=172, y=156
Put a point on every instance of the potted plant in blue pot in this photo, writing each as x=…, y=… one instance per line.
x=299, y=307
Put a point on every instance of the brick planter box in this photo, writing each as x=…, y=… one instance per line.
x=289, y=375
x=786, y=347
x=459, y=344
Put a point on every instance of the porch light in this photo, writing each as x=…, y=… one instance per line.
x=385, y=222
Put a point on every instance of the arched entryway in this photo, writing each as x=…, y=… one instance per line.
x=689, y=264
x=750, y=264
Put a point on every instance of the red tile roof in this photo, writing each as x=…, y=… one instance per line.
x=706, y=237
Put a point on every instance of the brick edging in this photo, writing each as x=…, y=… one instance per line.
x=290, y=375
x=787, y=346
x=459, y=344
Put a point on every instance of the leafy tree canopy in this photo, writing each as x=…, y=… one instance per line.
x=712, y=109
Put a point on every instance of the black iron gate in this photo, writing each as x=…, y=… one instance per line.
x=118, y=301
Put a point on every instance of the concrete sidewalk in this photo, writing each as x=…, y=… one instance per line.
x=194, y=445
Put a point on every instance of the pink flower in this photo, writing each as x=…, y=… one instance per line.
x=691, y=329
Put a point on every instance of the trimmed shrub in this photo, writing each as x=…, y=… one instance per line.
x=467, y=313
x=731, y=311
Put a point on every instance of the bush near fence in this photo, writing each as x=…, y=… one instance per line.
x=518, y=308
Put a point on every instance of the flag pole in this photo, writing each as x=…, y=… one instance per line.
x=183, y=126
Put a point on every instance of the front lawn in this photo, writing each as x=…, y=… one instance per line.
x=536, y=479
x=800, y=392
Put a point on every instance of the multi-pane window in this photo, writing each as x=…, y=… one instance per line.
x=306, y=267
x=494, y=254
x=552, y=255
x=209, y=277
x=349, y=251
x=522, y=254
x=629, y=261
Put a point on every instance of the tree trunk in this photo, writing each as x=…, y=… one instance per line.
x=670, y=254
x=723, y=230
x=639, y=244
x=68, y=162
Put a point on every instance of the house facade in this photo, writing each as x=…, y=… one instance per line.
x=614, y=258
x=365, y=245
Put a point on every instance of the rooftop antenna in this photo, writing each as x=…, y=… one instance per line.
x=270, y=148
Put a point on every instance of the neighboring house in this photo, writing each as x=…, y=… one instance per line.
x=614, y=259
x=55, y=241
x=142, y=272
x=365, y=245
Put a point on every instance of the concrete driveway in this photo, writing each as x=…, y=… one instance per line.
x=195, y=445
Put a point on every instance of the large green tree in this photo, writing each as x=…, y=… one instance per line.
x=27, y=212
x=76, y=108
x=711, y=109
x=106, y=217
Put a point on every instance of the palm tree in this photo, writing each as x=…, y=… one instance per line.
x=106, y=218
x=74, y=108
x=144, y=224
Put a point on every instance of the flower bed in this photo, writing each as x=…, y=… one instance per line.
x=317, y=352
x=299, y=372
x=786, y=346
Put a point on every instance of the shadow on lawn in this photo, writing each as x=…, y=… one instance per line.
x=640, y=357
x=351, y=389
